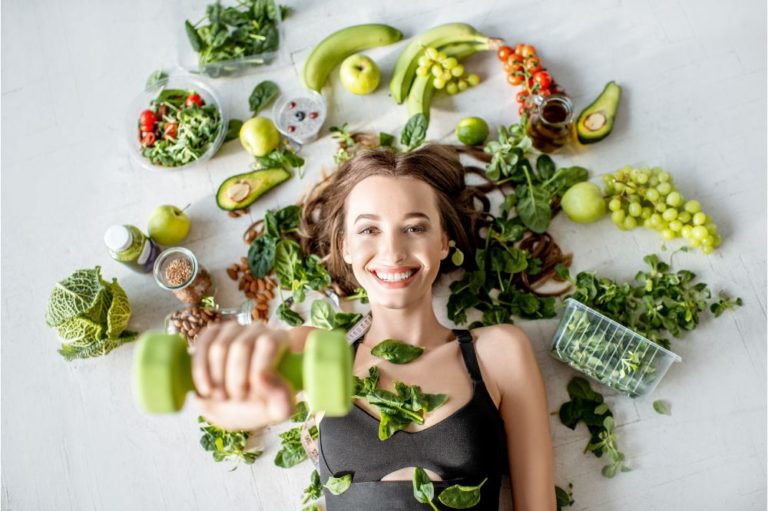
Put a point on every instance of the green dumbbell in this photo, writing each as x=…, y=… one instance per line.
x=162, y=372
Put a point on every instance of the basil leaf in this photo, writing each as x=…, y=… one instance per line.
x=461, y=497
x=338, y=485
x=533, y=208
x=193, y=36
x=261, y=256
x=397, y=352
x=423, y=489
x=285, y=313
x=262, y=95
x=322, y=315
x=414, y=132
x=661, y=407
x=233, y=130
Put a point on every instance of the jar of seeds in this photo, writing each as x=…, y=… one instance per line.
x=177, y=270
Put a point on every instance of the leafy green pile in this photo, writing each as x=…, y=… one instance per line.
x=248, y=31
x=398, y=409
x=660, y=301
x=89, y=314
x=588, y=406
x=227, y=445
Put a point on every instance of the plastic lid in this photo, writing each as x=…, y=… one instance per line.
x=118, y=238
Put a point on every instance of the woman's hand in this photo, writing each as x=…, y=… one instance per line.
x=233, y=369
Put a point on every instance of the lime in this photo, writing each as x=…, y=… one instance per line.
x=472, y=131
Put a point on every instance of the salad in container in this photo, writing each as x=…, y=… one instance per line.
x=175, y=123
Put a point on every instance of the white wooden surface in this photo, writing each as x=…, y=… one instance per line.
x=694, y=79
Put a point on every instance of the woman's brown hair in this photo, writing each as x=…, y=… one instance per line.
x=322, y=222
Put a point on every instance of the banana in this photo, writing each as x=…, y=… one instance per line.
x=407, y=63
x=341, y=44
x=422, y=89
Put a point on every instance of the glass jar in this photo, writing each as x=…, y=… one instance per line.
x=550, y=122
x=190, y=321
x=177, y=270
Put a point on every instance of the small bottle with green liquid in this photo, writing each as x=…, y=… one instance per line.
x=128, y=245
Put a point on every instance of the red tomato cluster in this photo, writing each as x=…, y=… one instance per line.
x=523, y=67
x=151, y=125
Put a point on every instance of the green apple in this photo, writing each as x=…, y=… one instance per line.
x=359, y=74
x=584, y=203
x=168, y=225
x=259, y=136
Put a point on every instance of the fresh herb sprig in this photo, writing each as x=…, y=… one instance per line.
x=227, y=445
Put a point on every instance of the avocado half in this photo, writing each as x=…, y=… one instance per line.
x=596, y=121
x=242, y=190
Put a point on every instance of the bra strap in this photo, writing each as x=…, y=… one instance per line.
x=468, y=352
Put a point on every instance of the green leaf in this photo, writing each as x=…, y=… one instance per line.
x=119, y=312
x=156, y=80
x=322, y=315
x=315, y=489
x=193, y=36
x=423, y=489
x=461, y=497
x=386, y=140
x=609, y=470
x=302, y=410
x=96, y=348
x=545, y=167
x=661, y=407
x=564, y=498
x=262, y=95
x=233, y=130
x=288, y=257
x=291, y=317
x=533, y=208
x=397, y=352
x=80, y=293
x=338, y=485
x=414, y=132
x=261, y=256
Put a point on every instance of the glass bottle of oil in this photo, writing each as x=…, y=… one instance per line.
x=550, y=124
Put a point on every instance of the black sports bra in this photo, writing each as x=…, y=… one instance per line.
x=464, y=448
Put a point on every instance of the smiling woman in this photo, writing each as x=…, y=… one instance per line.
x=469, y=408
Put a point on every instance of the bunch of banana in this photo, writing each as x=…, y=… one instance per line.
x=340, y=45
x=458, y=40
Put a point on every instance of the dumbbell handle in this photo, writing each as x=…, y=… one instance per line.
x=163, y=372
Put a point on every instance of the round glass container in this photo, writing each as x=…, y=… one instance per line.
x=188, y=322
x=299, y=116
x=550, y=124
x=177, y=270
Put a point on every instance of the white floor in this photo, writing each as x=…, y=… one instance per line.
x=694, y=81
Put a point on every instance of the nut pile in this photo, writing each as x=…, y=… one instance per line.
x=258, y=289
x=189, y=322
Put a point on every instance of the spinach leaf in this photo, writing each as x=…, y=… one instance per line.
x=423, y=489
x=226, y=445
x=322, y=315
x=291, y=317
x=414, y=132
x=386, y=140
x=156, y=80
x=261, y=256
x=397, y=352
x=545, y=167
x=233, y=130
x=563, y=179
x=533, y=207
x=564, y=498
x=287, y=261
x=338, y=485
x=193, y=36
x=262, y=95
x=301, y=412
x=291, y=451
x=461, y=497
x=315, y=489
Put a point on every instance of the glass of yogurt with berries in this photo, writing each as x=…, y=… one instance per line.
x=300, y=115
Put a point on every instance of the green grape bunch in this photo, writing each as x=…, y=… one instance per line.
x=446, y=71
x=648, y=197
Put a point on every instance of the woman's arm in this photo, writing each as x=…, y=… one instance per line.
x=509, y=360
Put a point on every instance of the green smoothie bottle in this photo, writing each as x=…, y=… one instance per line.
x=128, y=245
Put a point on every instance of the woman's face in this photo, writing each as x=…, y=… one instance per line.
x=394, y=240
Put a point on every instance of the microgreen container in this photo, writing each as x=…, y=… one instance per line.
x=609, y=352
x=142, y=102
x=189, y=59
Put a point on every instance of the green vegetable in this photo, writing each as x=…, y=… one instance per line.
x=397, y=410
x=414, y=132
x=89, y=314
x=397, y=352
x=315, y=489
x=156, y=79
x=423, y=489
x=461, y=497
x=233, y=130
x=323, y=316
x=284, y=157
x=291, y=451
x=661, y=407
x=247, y=31
x=288, y=315
x=564, y=498
x=262, y=95
x=587, y=405
x=338, y=485
x=227, y=445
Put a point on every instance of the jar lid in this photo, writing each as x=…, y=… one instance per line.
x=117, y=238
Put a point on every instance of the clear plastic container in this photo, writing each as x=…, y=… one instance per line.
x=189, y=59
x=190, y=321
x=142, y=102
x=300, y=115
x=608, y=352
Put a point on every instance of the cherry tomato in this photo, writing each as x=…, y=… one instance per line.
x=514, y=69
x=519, y=49
x=544, y=92
x=533, y=65
x=148, y=139
x=147, y=120
x=514, y=59
x=170, y=129
x=521, y=96
x=504, y=52
x=193, y=99
x=543, y=78
x=527, y=51
x=514, y=79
